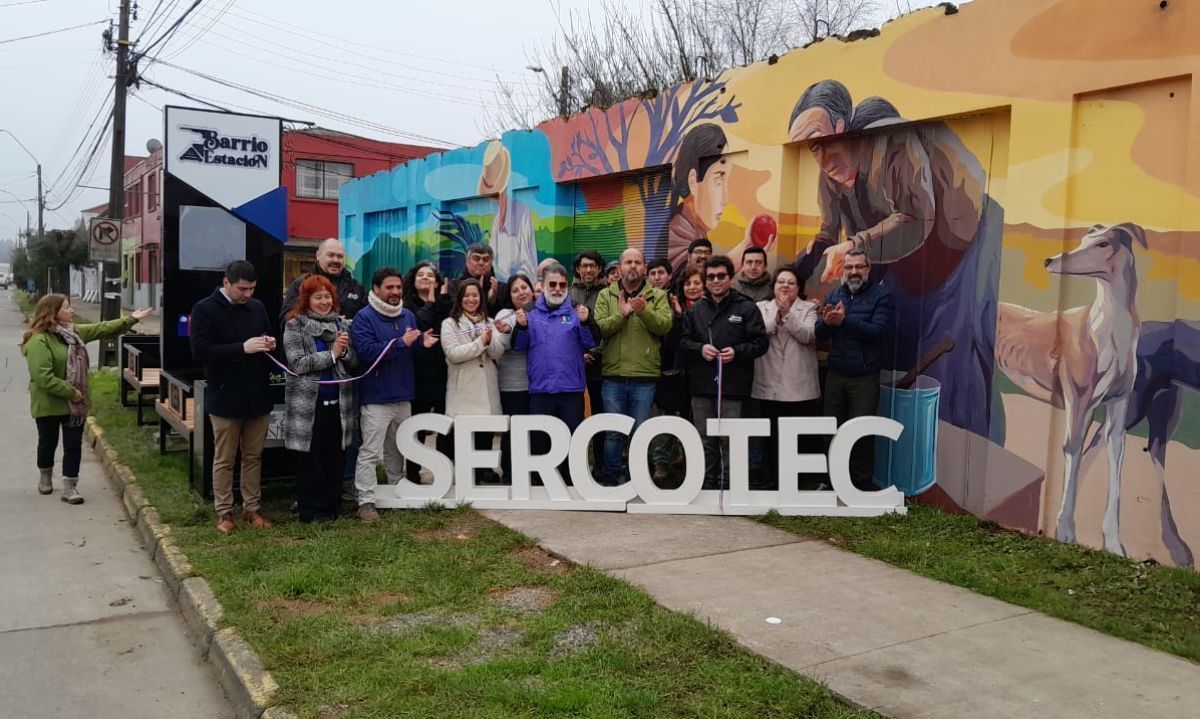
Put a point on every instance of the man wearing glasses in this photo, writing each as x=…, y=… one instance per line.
x=855, y=319
x=724, y=327
x=589, y=280
x=555, y=334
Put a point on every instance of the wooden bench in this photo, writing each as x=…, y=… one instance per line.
x=141, y=375
x=176, y=413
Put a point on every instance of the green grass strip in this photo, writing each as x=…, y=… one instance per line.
x=441, y=613
x=1140, y=601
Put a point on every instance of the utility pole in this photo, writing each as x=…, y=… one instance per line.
x=41, y=206
x=110, y=284
x=564, y=90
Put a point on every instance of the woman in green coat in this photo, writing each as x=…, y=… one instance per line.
x=55, y=350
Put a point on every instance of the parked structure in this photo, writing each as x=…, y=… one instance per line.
x=316, y=162
x=1003, y=164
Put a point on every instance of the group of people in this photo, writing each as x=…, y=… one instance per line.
x=701, y=341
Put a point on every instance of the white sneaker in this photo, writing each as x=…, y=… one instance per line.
x=70, y=494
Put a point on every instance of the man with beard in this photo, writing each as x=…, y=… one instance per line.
x=331, y=264
x=855, y=319
x=386, y=394
x=556, y=336
x=632, y=317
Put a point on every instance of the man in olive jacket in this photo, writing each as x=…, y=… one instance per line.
x=632, y=317
x=723, y=327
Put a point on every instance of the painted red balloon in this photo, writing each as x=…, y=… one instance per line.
x=762, y=230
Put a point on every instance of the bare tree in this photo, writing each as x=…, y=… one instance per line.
x=598, y=61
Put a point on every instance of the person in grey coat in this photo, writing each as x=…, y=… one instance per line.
x=321, y=418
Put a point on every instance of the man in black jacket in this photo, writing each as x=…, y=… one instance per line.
x=726, y=327
x=331, y=264
x=479, y=266
x=856, y=319
x=230, y=337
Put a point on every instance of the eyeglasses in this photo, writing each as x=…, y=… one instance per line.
x=556, y=285
x=717, y=277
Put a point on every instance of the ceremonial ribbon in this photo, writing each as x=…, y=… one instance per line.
x=346, y=380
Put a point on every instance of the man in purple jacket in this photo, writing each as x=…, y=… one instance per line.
x=385, y=394
x=556, y=336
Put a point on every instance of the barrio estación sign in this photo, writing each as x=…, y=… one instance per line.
x=453, y=480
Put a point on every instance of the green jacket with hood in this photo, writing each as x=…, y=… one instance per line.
x=46, y=355
x=631, y=344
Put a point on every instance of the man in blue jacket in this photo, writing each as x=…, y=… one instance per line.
x=556, y=336
x=386, y=393
x=856, y=319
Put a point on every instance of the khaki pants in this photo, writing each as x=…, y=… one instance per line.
x=230, y=435
x=379, y=423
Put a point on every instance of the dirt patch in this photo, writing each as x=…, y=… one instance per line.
x=461, y=529
x=288, y=609
x=290, y=541
x=405, y=623
x=537, y=559
x=573, y=640
x=384, y=599
x=524, y=599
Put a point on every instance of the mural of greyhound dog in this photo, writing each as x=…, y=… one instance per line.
x=1168, y=357
x=1083, y=358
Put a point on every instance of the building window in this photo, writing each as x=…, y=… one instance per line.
x=133, y=200
x=152, y=192
x=320, y=179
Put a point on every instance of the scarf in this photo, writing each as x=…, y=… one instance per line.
x=383, y=308
x=324, y=327
x=77, y=371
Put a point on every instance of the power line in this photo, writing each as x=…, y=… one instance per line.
x=183, y=94
x=166, y=35
x=309, y=107
x=201, y=31
x=306, y=57
x=104, y=106
x=324, y=38
x=53, y=32
x=88, y=169
x=356, y=80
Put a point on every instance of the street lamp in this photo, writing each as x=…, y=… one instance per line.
x=41, y=199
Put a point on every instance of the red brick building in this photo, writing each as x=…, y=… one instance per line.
x=316, y=162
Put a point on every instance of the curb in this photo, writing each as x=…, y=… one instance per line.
x=249, y=686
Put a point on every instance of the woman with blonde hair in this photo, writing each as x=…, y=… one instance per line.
x=55, y=350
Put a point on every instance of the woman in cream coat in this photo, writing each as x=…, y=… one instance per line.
x=472, y=346
x=785, y=378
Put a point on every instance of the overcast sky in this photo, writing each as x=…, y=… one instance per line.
x=424, y=67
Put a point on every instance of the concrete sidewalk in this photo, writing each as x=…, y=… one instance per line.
x=87, y=628
x=880, y=636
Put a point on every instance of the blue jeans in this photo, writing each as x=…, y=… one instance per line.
x=630, y=397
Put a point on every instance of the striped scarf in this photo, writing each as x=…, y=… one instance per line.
x=78, y=365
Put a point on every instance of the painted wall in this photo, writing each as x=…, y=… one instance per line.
x=1025, y=175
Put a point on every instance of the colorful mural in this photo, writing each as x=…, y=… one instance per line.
x=1025, y=177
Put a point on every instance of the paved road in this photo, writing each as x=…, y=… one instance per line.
x=883, y=637
x=86, y=627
